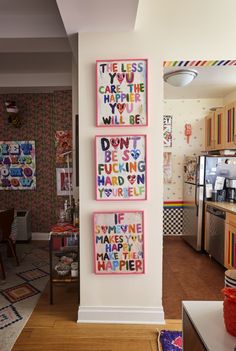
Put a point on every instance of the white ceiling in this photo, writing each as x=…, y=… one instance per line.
x=35, y=35
x=211, y=82
x=98, y=15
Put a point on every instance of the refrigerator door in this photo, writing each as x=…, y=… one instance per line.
x=193, y=215
x=190, y=169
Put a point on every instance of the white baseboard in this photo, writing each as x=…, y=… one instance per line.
x=40, y=236
x=122, y=315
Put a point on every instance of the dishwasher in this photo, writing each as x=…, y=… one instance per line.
x=215, y=233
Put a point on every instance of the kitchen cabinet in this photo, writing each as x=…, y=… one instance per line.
x=229, y=232
x=230, y=241
x=230, y=126
x=220, y=128
x=215, y=130
x=209, y=132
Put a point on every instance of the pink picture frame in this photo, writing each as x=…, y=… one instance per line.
x=121, y=173
x=122, y=93
x=118, y=238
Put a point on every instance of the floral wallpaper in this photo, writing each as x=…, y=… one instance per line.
x=42, y=114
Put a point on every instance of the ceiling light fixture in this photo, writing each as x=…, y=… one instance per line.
x=180, y=78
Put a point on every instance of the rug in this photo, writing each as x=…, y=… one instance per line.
x=22, y=288
x=169, y=340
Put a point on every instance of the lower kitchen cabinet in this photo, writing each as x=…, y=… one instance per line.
x=230, y=241
x=230, y=246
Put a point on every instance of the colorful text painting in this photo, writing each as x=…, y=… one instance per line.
x=121, y=167
x=119, y=242
x=17, y=165
x=122, y=93
x=167, y=131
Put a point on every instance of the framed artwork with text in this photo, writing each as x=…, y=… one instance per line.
x=121, y=92
x=17, y=165
x=121, y=167
x=118, y=242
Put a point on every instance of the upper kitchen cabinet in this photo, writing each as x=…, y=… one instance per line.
x=230, y=126
x=209, y=132
x=220, y=128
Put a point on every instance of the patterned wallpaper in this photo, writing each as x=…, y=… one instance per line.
x=42, y=114
x=185, y=111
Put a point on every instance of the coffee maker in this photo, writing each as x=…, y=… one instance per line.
x=230, y=189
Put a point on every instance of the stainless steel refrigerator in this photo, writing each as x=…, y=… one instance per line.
x=200, y=171
x=193, y=201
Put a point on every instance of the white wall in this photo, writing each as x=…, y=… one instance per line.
x=117, y=290
x=185, y=111
x=164, y=32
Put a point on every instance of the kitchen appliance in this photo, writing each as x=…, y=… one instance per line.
x=215, y=233
x=200, y=175
x=230, y=189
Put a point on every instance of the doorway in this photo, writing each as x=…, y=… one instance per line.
x=184, y=111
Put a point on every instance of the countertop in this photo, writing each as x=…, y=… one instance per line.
x=226, y=206
x=207, y=318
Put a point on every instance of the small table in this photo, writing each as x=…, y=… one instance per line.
x=62, y=232
x=203, y=327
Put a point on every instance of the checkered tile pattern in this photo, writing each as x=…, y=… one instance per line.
x=32, y=274
x=172, y=221
x=8, y=315
x=19, y=292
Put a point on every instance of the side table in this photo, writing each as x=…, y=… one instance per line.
x=59, y=237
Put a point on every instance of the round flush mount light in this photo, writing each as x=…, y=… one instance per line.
x=180, y=77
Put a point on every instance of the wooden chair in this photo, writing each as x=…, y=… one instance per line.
x=6, y=220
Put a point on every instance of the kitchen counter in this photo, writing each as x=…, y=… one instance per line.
x=226, y=206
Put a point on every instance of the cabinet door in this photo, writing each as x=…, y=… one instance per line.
x=230, y=246
x=209, y=132
x=230, y=126
x=219, y=129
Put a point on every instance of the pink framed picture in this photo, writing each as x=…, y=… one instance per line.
x=119, y=242
x=121, y=93
x=121, y=167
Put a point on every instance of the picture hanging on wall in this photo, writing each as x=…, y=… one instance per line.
x=119, y=242
x=17, y=165
x=167, y=167
x=121, y=167
x=121, y=87
x=167, y=131
x=64, y=181
x=63, y=143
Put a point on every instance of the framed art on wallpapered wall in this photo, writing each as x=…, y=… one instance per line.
x=121, y=92
x=121, y=167
x=64, y=181
x=119, y=242
x=17, y=165
x=167, y=131
x=63, y=143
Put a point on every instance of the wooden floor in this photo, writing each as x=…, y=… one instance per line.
x=54, y=328
x=188, y=275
